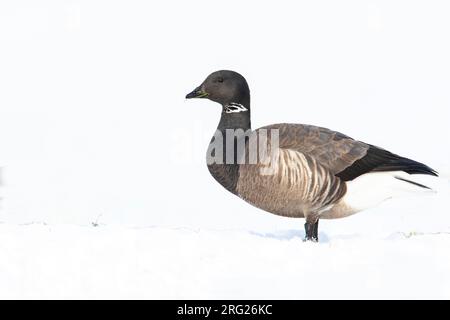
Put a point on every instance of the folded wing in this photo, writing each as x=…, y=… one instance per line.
x=345, y=157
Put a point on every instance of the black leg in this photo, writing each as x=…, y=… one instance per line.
x=308, y=231
x=316, y=231
x=312, y=231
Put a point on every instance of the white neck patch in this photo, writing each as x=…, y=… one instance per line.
x=235, y=107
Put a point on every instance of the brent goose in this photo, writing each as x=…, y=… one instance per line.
x=311, y=168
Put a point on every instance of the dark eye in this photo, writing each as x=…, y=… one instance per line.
x=220, y=79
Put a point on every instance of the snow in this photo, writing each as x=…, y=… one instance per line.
x=396, y=250
x=96, y=263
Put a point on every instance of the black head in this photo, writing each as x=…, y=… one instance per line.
x=226, y=87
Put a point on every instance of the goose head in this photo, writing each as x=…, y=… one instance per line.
x=226, y=87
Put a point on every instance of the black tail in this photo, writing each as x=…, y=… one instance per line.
x=413, y=183
x=380, y=160
x=393, y=162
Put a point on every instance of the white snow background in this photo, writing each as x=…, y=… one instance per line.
x=105, y=193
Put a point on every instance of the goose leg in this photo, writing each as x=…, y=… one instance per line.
x=316, y=231
x=312, y=229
